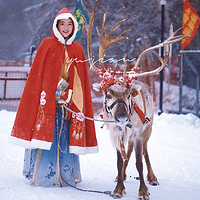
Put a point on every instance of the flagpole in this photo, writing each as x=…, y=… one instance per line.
x=180, y=83
x=162, y=3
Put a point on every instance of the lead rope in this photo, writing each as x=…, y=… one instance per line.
x=85, y=190
x=59, y=133
x=89, y=118
x=92, y=119
x=60, y=130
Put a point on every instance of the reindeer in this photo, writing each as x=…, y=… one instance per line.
x=129, y=103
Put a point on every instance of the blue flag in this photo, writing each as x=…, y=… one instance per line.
x=77, y=14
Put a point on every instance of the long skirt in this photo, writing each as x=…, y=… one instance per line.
x=54, y=167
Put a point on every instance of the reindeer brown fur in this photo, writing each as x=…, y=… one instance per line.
x=136, y=136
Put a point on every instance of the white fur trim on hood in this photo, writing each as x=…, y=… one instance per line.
x=58, y=34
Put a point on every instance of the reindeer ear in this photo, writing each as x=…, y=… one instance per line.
x=96, y=87
x=134, y=92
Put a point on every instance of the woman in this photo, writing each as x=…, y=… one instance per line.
x=58, y=76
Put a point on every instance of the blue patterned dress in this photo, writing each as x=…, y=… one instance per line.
x=54, y=167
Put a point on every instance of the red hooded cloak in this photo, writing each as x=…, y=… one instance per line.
x=35, y=118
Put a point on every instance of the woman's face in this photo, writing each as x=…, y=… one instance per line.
x=65, y=27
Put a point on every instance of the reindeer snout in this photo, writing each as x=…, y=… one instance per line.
x=122, y=120
x=121, y=115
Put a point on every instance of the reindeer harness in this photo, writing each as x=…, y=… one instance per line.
x=130, y=108
x=109, y=79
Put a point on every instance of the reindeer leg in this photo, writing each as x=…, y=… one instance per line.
x=119, y=190
x=150, y=176
x=125, y=163
x=143, y=190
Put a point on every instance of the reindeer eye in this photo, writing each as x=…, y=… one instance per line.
x=129, y=96
x=109, y=96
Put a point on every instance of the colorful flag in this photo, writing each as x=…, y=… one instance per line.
x=79, y=12
x=191, y=22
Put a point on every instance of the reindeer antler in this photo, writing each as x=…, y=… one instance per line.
x=166, y=45
x=105, y=40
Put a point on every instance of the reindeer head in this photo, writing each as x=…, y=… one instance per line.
x=117, y=94
x=117, y=103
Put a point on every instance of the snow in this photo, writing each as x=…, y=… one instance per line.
x=174, y=153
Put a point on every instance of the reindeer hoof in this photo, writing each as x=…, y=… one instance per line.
x=118, y=195
x=144, y=197
x=154, y=182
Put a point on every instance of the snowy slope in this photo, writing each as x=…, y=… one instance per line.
x=174, y=152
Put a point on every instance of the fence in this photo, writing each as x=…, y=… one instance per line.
x=189, y=72
x=12, y=82
x=13, y=76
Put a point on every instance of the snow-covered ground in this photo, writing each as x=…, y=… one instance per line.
x=174, y=149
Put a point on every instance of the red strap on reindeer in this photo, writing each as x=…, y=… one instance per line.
x=141, y=114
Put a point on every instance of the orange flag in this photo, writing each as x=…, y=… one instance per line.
x=191, y=22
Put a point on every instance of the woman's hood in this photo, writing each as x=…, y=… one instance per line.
x=64, y=14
